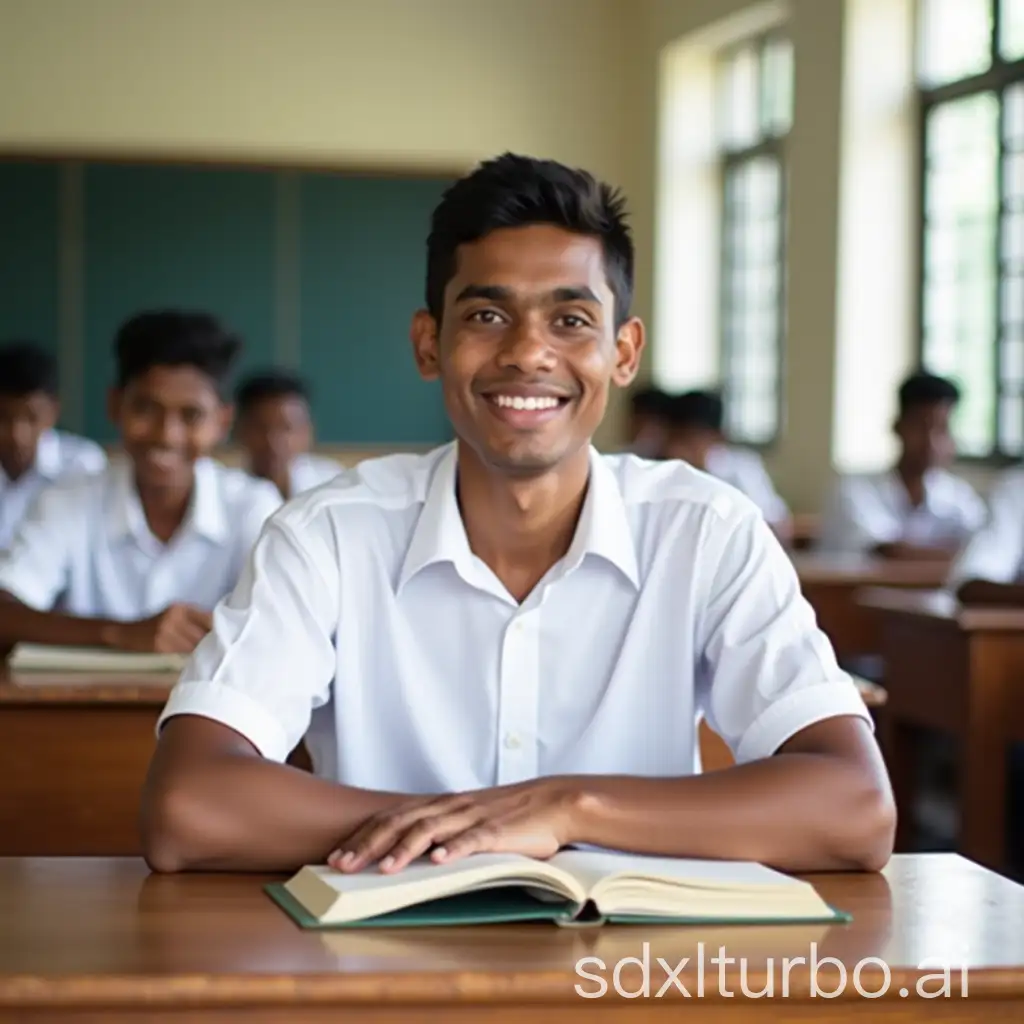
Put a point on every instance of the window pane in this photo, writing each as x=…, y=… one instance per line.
x=956, y=39
x=776, y=86
x=738, y=99
x=1011, y=424
x=1011, y=29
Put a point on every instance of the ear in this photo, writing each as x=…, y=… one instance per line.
x=423, y=335
x=629, y=345
x=115, y=400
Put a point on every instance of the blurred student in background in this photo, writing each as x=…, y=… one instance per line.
x=276, y=430
x=648, y=422
x=918, y=509
x=33, y=453
x=696, y=435
x=138, y=555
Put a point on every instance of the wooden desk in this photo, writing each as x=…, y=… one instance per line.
x=74, y=750
x=960, y=671
x=831, y=584
x=101, y=940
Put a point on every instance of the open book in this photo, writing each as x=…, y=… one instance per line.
x=573, y=887
x=44, y=658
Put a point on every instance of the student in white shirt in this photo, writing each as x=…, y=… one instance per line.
x=33, y=454
x=918, y=509
x=990, y=568
x=648, y=422
x=275, y=429
x=138, y=555
x=505, y=645
x=696, y=435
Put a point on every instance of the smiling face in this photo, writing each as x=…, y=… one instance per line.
x=169, y=417
x=527, y=347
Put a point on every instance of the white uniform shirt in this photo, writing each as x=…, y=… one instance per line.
x=58, y=456
x=996, y=552
x=866, y=510
x=85, y=543
x=365, y=618
x=746, y=471
x=309, y=471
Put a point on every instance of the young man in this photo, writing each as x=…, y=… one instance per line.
x=275, y=429
x=990, y=569
x=139, y=554
x=32, y=453
x=918, y=509
x=505, y=644
x=696, y=435
x=648, y=422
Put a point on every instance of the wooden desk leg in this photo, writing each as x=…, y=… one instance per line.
x=898, y=740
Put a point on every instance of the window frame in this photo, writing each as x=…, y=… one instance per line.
x=1000, y=75
x=729, y=160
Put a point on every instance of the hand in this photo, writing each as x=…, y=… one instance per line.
x=532, y=818
x=175, y=630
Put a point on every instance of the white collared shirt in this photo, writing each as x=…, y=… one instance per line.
x=85, y=543
x=365, y=624
x=58, y=456
x=746, y=471
x=308, y=471
x=996, y=552
x=866, y=510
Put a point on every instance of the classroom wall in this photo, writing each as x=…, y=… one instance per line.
x=387, y=84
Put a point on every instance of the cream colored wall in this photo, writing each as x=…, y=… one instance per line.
x=429, y=84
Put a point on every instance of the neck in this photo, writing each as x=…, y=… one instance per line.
x=165, y=508
x=521, y=527
x=913, y=480
x=279, y=476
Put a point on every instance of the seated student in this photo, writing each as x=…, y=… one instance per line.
x=917, y=509
x=274, y=427
x=648, y=422
x=990, y=568
x=696, y=436
x=139, y=554
x=505, y=644
x=32, y=453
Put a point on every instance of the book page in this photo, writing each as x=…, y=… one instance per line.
x=46, y=658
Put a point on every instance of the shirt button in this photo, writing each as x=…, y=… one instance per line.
x=512, y=741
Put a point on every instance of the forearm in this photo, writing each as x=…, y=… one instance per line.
x=986, y=592
x=900, y=551
x=239, y=812
x=21, y=624
x=795, y=812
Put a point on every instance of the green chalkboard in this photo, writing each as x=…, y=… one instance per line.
x=174, y=236
x=363, y=265
x=29, y=258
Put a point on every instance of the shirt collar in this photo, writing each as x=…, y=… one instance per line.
x=603, y=529
x=936, y=489
x=48, y=462
x=205, y=516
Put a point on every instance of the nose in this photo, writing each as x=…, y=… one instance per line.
x=169, y=431
x=528, y=348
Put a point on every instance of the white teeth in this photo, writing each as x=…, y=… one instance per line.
x=519, y=402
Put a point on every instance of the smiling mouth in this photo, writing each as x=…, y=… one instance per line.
x=526, y=411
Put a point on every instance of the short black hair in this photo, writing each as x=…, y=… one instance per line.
x=697, y=409
x=924, y=388
x=650, y=401
x=273, y=383
x=26, y=368
x=172, y=337
x=513, y=191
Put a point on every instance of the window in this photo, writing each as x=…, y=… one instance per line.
x=971, y=79
x=754, y=116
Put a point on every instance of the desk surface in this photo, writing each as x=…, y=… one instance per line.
x=860, y=570
x=941, y=606
x=106, y=933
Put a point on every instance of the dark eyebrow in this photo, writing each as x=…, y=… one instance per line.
x=493, y=292
x=580, y=293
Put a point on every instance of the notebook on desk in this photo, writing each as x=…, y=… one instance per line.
x=44, y=658
x=573, y=888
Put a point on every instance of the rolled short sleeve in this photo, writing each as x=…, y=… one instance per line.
x=35, y=567
x=269, y=660
x=767, y=669
x=995, y=553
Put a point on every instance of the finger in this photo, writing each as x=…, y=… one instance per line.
x=200, y=618
x=378, y=834
x=481, y=838
x=427, y=833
